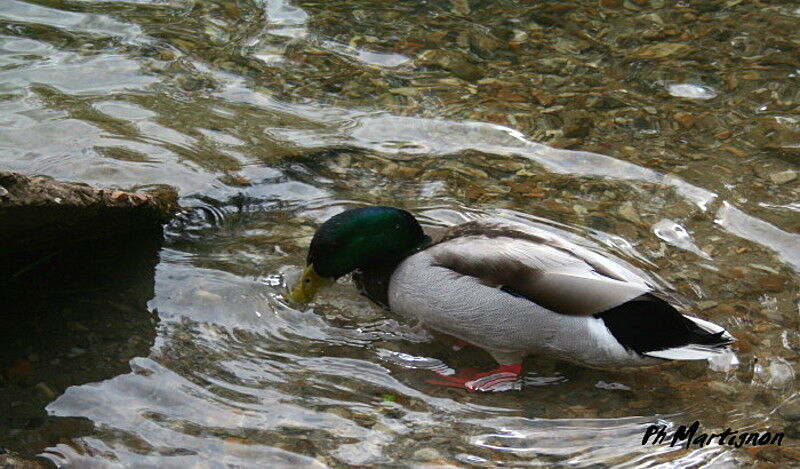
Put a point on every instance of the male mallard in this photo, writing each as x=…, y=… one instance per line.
x=511, y=290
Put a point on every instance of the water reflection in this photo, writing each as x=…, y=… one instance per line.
x=400, y=136
x=677, y=236
x=285, y=19
x=691, y=91
x=786, y=245
x=581, y=441
x=25, y=12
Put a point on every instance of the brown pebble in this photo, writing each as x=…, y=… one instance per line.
x=661, y=50
x=543, y=98
x=45, y=390
x=726, y=310
x=19, y=371
x=523, y=187
x=233, y=11
x=234, y=440
x=236, y=180
x=735, y=151
x=407, y=171
x=771, y=283
x=577, y=127
x=685, y=119
x=763, y=327
x=791, y=453
x=732, y=273
x=769, y=454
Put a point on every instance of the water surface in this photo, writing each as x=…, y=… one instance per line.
x=666, y=133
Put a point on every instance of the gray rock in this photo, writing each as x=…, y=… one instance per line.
x=426, y=454
x=783, y=177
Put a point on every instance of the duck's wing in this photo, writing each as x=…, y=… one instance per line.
x=546, y=269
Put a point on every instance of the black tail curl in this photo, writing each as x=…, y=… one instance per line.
x=648, y=324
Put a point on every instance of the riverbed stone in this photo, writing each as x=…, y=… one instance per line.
x=426, y=454
x=782, y=177
x=628, y=212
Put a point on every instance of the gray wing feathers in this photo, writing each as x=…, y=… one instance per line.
x=550, y=271
x=463, y=307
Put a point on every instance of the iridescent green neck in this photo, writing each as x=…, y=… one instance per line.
x=363, y=238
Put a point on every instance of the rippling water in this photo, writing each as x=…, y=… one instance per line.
x=270, y=116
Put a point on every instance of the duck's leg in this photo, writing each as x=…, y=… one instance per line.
x=456, y=343
x=503, y=378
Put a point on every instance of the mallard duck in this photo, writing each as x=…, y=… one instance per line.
x=512, y=290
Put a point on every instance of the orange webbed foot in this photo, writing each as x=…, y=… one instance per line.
x=502, y=378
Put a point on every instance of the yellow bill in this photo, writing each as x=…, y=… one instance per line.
x=310, y=283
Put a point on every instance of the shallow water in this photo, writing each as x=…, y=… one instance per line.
x=666, y=133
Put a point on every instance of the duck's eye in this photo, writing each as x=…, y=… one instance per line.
x=308, y=280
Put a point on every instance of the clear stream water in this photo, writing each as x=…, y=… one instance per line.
x=666, y=133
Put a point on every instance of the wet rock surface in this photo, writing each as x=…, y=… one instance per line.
x=14, y=461
x=40, y=213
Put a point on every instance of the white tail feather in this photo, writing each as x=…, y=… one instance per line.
x=710, y=327
x=688, y=352
x=697, y=351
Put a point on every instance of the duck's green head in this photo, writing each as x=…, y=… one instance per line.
x=357, y=238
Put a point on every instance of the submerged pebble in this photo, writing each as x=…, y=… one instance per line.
x=722, y=388
x=426, y=454
x=783, y=177
x=45, y=390
x=628, y=212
